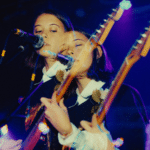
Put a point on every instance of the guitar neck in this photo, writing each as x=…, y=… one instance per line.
x=116, y=84
x=139, y=49
x=97, y=39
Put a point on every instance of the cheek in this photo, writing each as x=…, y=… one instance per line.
x=56, y=42
x=88, y=63
x=76, y=53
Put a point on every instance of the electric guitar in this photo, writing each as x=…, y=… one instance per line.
x=138, y=50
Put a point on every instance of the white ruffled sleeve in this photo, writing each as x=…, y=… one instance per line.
x=84, y=140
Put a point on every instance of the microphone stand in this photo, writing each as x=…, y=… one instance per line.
x=21, y=49
x=4, y=49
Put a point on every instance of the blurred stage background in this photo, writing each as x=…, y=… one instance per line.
x=82, y=13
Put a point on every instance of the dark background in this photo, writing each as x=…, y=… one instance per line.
x=82, y=13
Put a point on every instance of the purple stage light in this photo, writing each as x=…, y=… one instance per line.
x=147, y=144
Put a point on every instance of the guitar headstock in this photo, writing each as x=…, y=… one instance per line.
x=140, y=47
x=100, y=35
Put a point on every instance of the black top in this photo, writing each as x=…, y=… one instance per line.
x=17, y=122
x=124, y=119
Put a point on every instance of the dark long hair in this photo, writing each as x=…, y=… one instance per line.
x=31, y=58
x=101, y=68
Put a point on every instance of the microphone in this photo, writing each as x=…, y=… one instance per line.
x=37, y=41
x=66, y=60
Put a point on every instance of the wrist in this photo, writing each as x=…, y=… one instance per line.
x=65, y=135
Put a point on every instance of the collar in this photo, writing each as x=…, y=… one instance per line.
x=47, y=75
x=88, y=90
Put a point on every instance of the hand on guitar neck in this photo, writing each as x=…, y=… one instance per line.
x=57, y=114
x=92, y=127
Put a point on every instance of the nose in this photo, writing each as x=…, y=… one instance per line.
x=70, y=52
x=45, y=35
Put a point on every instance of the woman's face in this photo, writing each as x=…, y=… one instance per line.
x=74, y=42
x=51, y=29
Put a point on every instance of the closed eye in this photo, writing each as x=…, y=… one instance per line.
x=38, y=31
x=78, y=45
x=53, y=30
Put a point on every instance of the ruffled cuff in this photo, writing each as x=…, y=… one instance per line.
x=69, y=139
x=84, y=140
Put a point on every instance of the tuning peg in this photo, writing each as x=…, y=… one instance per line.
x=115, y=10
x=94, y=35
x=98, y=31
x=110, y=15
x=102, y=26
x=105, y=20
x=134, y=47
x=140, y=41
x=148, y=29
x=143, y=35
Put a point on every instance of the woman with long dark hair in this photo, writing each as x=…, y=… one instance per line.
x=126, y=117
x=51, y=26
x=80, y=105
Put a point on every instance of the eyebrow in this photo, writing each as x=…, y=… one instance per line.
x=49, y=24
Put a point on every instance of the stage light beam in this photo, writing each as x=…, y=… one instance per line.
x=4, y=130
x=125, y=4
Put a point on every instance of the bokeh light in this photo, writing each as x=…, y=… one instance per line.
x=43, y=128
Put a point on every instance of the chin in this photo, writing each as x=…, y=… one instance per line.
x=44, y=52
x=81, y=76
